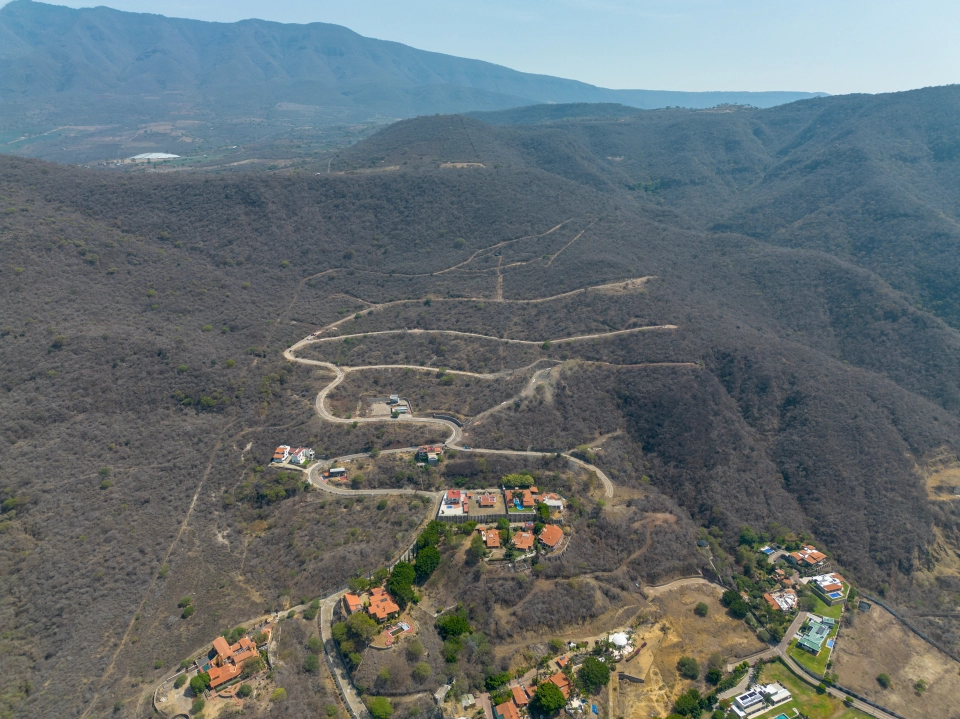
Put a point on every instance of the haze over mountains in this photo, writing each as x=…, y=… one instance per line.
x=794, y=270
x=101, y=67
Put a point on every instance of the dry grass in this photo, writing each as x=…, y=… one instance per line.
x=878, y=643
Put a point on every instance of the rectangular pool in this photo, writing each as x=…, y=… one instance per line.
x=835, y=595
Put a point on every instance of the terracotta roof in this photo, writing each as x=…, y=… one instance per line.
x=551, y=535
x=520, y=697
x=221, y=647
x=562, y=662
x=352, y=602
x=491, y=538
x=381, y=604
x=241, y=657
x=523, y=541
x=221, y=675
x=562, y=682
x=525, y=496
x=488, y=500
x=508, y=710
x=771, y=601
x=453, y=494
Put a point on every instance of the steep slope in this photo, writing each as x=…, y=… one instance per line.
x=870, y=179
x=142, y=320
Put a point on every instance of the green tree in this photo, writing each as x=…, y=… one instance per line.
x=739, y=609
x=543, y=512
x=495, y=681
x=198, y=705
x=593, y=674
x=428, y=559
x=477, y=549
x=701, y=610
x=548, y=699
x=245, y=690
x=362, y=627
x=200, y=683
x=314, y=644
x=688, y=667
x=311, y=664
x=279, y=694
x=179, y=681
x=884, y=680
x=380, y=707
x=421, y=672
x=714, y=676
x=688, y=704
x=452, y=625
x=400, y=583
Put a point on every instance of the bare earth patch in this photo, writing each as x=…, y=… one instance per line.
x=878, y=643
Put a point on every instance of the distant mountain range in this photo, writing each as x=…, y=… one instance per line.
x=99, y=67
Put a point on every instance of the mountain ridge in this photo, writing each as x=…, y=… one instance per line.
x=87, y=68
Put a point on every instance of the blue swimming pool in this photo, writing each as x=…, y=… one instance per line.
x=835, y=595
x=781, y=716
x=830, y=643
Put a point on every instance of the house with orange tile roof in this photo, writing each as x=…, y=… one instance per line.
x=563, y=683
x=520, y=696
x=228, y=660
x=523, y=541
x=424, y=452
x=382, y=607
x=487, y=501
x=807, y=557
x=527, y=497
x=281, y=453
x=351, y=604
x=491, y=538
x=507, y=710
x=551, y=535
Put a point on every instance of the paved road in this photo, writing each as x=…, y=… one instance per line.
x=339, y=672
x=781, y=651
x=505, y=340
x=454, y=441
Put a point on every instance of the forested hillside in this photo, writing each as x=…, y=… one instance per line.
x=783, y=382
x=89, y=84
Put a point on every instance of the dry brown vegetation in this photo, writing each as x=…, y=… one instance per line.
x=142, y=320
x=875, y=642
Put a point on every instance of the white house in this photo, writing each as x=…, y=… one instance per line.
x=759, y=699
x=554, y=501
x=301, y=455
x=281, y=453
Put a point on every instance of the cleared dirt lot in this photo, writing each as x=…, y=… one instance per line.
x=878, y=643
x=679, y=632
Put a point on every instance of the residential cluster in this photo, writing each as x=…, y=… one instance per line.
x=499, y=501
x=293, y=455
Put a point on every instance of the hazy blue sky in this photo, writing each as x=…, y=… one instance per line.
x=836, y=46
